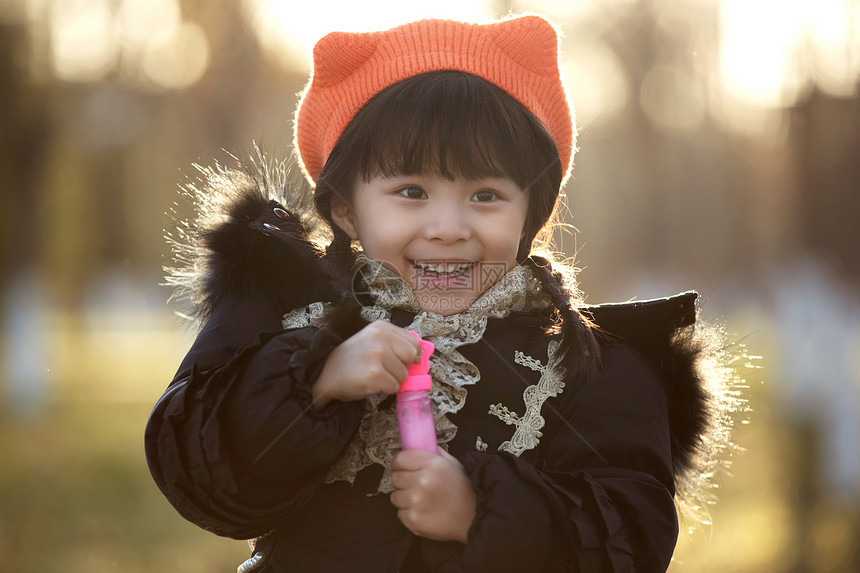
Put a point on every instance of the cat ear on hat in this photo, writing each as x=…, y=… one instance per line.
x=530, y=41
x=340, y=54
x=533, y=43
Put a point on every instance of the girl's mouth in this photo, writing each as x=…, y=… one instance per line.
x=443, y=269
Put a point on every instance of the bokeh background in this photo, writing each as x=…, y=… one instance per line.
x=719, y=150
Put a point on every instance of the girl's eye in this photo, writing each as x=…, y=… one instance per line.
x=484, y=195
x=412, y=193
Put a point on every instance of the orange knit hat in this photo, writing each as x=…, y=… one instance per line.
x=519, y=55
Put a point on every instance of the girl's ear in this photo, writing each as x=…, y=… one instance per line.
x=342, y=216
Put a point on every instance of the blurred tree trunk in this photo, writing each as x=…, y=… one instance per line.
x=27, y=129
x=827, y=132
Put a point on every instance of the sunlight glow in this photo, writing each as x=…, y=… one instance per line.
x=147, y=38
x=567, y=10
x=762, y=56
x=177, y=61
x=759, y=38
x=82, y=45
x=141, y=22
x=289, y=30
x=773, y=50
x=835, y=50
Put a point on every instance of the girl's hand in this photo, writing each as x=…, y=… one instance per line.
x=374, y=360
x=433, y=495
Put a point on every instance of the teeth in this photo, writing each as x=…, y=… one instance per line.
x=443, y=268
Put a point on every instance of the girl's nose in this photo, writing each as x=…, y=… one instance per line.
x=448, y=224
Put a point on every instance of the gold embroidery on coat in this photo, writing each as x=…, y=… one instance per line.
x=480, y=445
x=528, y=426
x=310, y=315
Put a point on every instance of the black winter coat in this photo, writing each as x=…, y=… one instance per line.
x=236, y=447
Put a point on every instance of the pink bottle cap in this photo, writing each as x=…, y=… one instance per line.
x=419, y=377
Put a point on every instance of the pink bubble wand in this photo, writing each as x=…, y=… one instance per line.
x=414, y=413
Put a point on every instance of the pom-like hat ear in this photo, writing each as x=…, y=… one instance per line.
x=530, y=41
x=519, y=55
x=353, y=51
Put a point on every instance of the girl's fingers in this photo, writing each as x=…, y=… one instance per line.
x=384, y=384
x=394, y=366
x=395, y=348
x=402, y=479
x=398, y=499
x=409, y=497
x=409, y=354
x=402, y=355
x=412, y=460
x=403, y=345
x=392, y=386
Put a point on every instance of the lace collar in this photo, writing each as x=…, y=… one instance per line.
x=518, y=290
x=378, y=437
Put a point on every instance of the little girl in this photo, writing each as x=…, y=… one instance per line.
x=437, y=150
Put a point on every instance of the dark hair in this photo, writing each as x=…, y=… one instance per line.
x=457, y=125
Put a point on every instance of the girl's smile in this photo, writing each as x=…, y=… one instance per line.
x=450, y=239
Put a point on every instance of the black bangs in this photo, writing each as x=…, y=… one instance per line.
x=451, y=123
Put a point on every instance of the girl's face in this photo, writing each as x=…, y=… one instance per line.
x=449, y=239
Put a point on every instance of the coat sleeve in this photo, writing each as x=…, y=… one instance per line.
x=599, y=499
x=234, y=443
